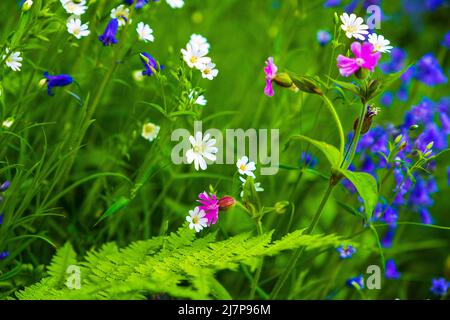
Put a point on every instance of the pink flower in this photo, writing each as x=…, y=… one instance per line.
x=210, y=205
x=270, y=70
x=365, y=57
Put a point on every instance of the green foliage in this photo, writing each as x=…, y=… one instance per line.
x=179, y=265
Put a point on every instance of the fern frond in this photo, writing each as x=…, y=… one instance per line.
x=179, y=265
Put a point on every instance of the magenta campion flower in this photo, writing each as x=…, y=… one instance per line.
x=365, y=57
x=210, y=205
x=270, y=70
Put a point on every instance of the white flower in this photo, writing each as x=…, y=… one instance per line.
x=196, y=219
x=208, y=71
x=245, y=167
x=8, y=123
x=75, y=27
x=202, y=147
x=121, y=13
x=379, y=43
x=13, y=60
x=199, y=41
x=74, y=7
x=150, y=131
x=195, y=57
x=145, y=33
x=257, y=185
x=353, y=26
x=175, y=3
x=200, y=100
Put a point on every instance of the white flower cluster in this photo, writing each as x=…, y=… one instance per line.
x=122, y=14
x=176, y=4
x=246, y=168
x=145, y=33
x=74, y=25
x=353, y=26
x=195, y=56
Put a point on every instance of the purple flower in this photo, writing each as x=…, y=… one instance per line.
x=60, y=80
x=356, y=282
x=323, y=37
x=387, y=98
x=210, y=205
x=386, y=241
x=397, y=62
x=391, y=270
x=332, y=3
x=150, y=64
x=364, y=58
x=428, y=71
x=439, y=286
x=309, y=159
x=446, y=41
x=270, y=70
x=4, y=186
x=1, y=218
x=109, y=36
x=4, y=255
x=346, y=252
x=139, y=3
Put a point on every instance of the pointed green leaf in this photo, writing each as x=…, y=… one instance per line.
x=330, y=152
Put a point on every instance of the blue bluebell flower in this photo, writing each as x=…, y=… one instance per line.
x=391, y=271
x=109, y=36
x=356, y=282
x=427, y=70
x=439, y=286
x=346, y=252
x=4, y=186
x=60, y=80
x=323, y=37
x=150, y=64
x=4, y=255
x=1, y=218
x=396, y=63
x=139, y=3
x=388, y=238
x=446, y=41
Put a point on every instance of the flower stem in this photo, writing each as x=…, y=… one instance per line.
x=333, y=112
x=292, y=263
x=258, y=271
x=357, y=136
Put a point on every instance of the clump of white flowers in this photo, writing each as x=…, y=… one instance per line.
x=76, y=8
x=195, y=56
x=246, y=169
x=354, y=26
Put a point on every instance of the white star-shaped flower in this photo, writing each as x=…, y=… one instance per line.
x=354, y=26
x=13, y=60
x=196, y=219
x=195, y=57
x=208, y=71
x=202, y=147
x=77, y=29
x=175, y=3
x=199, y=41
x=245, y=167
x=200, y=100
x=122, y=14
x=150, y=131
x=257, y=185
x=74, y=7
x=145, y=33
x=379, y=43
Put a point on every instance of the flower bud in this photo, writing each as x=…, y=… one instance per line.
x=306, y=84
x=398, y=139
x=427, y=154
x=429, y=146
x=283, y=80
x=281, y=206
x=413, y=127
x=402, y=145
x=368, y=118
x=336, y=18
x=27, y=5
x=226, y=203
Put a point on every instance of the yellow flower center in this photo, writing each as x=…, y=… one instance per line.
x=193, y=59
x=195, y=219
x=242, y=167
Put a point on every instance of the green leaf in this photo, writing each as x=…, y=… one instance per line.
x=366, y=185
x=121, y=203
x=330, y=152
x=347, y=86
